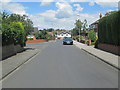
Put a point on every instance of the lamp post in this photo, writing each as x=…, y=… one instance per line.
x=79, y=28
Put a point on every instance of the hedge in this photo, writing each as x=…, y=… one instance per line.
x=13, y=34
x=109, y=29
x=7, y=35
x=14, y=28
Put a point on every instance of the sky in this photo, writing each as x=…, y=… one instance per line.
x=60, y=14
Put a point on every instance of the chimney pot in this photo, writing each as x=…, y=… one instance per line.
x=100, y=15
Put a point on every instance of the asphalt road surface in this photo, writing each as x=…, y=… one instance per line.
x=63, y=66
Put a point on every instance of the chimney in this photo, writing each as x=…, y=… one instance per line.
x=107, y=14
x=100, y=15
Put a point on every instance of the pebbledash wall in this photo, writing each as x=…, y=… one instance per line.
x=110, y=48
x=0, y=46
x=9, y=50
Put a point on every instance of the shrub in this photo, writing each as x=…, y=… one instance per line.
x=92, y=35
x=78, y=37
x=48, y=36
x=14, y=28
x=83, y=41
x=7, y=35
x=92, y=43
x=43, y=35
x=40, y=35
x=18, y=32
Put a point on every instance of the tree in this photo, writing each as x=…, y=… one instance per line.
x=50, y=30
x=48, y=36
x=38, y=35
x=78, y=25
x=42, y=35
x=75, y=32
x=15, y=28
x=28, y=24
x=84, y=25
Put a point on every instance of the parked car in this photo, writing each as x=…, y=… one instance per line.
x=67, y=41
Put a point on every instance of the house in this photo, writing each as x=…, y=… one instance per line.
x=29, y=37
x=94, y=25
x=62, y=34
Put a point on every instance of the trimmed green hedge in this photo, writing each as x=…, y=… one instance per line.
x=109, y=29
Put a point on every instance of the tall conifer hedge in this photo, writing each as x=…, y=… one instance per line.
x=109, y=29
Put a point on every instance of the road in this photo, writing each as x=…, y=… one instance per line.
x=63, y=66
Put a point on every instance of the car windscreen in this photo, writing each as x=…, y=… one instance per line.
x=68, y=39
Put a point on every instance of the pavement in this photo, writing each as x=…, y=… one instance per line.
x=107, y=57
x=62, y=66
x=12, y=63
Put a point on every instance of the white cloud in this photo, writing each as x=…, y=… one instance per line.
x=64, y=10
x=38, y=21
x=6, y=0
x=63, y=5
x=64, y=17
x=64, y=23
x=91, y=3
x=110, y=10
x=46, y=2
x=89, y=17
x=103, y=3
x=14, y=8
x=48, y=16
x=79, y=8
x=79, y=0
x=108, y=4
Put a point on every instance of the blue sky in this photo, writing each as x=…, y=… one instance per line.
x=34, y=7
x=60, y=14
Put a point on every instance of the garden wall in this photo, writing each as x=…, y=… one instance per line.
x=9, y=50
x=18, y=48
x=109, y=48
x=37, y=41
x=109, y=33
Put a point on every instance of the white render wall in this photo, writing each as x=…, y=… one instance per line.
x=62, y=35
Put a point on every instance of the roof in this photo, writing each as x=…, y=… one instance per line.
x=96, y=22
